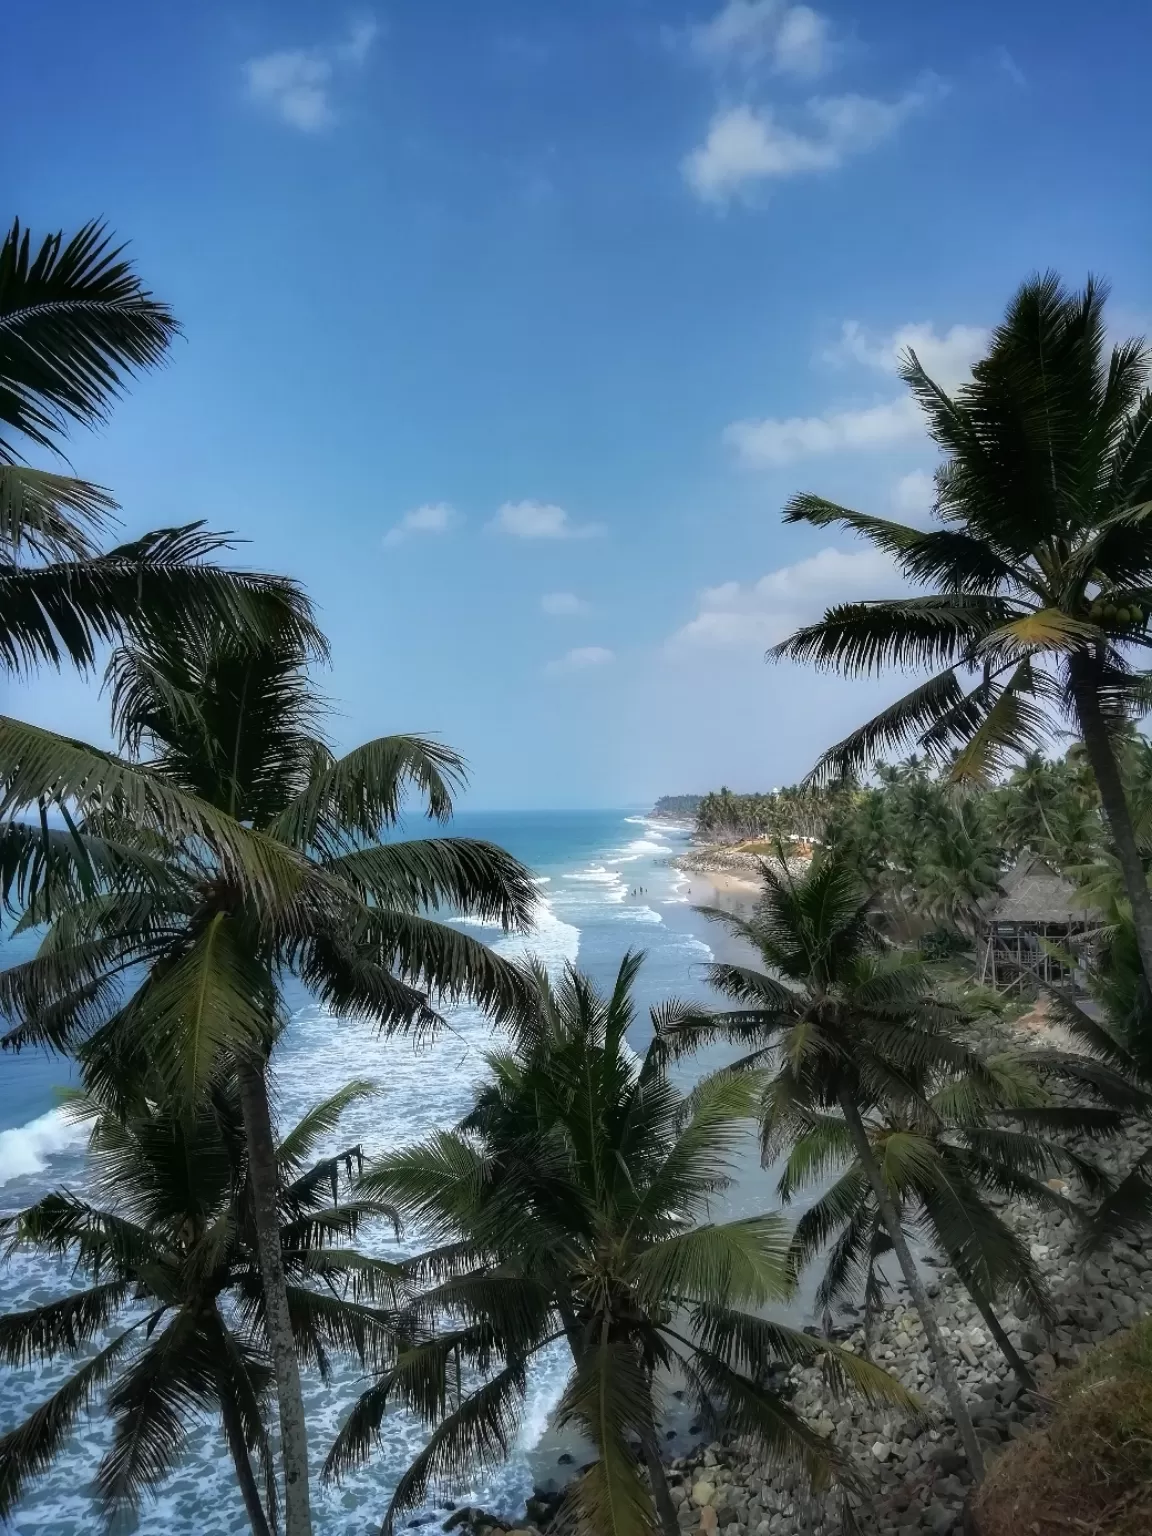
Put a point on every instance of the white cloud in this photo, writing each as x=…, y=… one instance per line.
x=802, y=42
x=792, y=39
x=763, y=444
x=914, y=493
x=563, y=605
x=580, y=660
x=1007, y=65
x=746, y=145
x=432, y=517
x=753, y=616
x=297, y=83
x=540, y=520
x=946, y=357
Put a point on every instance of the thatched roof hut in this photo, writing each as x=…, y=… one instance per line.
x=1038, y=910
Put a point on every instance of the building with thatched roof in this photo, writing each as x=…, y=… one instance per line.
x=1035, y=926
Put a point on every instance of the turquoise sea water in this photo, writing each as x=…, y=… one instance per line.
x=606, y=886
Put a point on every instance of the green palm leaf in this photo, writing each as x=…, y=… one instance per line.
x=75, y=324
x=50, y=516
x=477, y=1435
x=730, y=1263
x=40, y=766
x=33, y=1445
x=609, y=1397
x=211, y=1000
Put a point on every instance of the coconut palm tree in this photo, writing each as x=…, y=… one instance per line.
x=1039, y=571
x=76, y=324
x=572, y=1204
x=971, y=1142
x=228, y=849
x=850, y=1027
x=172, y=1321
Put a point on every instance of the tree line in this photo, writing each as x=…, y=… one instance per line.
x=177, y=883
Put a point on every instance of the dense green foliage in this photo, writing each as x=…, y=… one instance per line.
x=572, y=1204
x=1032, y=591
x=676, y=805
x=933, y=852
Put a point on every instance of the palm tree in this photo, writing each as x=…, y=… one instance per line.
x=851, y=1027
x=76, y=324
x=174, y=1306
x=229, y=848
x=971, y=1141
x=568, y=1206
x=1040, y=571
x=958, y=868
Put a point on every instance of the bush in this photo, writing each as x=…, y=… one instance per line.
x=1090, y=1469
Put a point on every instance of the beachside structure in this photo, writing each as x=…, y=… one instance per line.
x=1038, y=911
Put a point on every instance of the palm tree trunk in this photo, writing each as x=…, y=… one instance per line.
x=262, y=1172
x=243, y=1464
x=992, y=1322
x=1106, y=771
x=661, y=1493
x=948, y=1378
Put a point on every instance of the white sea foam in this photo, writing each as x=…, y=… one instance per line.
x=595, y=874
x=26, y=1148
x=643, y=915
x=641, y=849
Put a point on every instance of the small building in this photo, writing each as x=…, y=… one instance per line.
x=1035, y=927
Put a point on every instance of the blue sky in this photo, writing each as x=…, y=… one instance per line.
x=509, y=328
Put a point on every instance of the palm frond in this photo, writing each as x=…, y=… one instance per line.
x=858, y=638
x=50, y=516
x=360, y=794
x=30, y=1448
x=40, y=767
x=175, y=1375
x=476, y=1436
x=474, y=878
x=211, y=1000
x=299, y=1144
x=742, y=1261
x=59, y=1327
x=609, y=1397
x=75, y=324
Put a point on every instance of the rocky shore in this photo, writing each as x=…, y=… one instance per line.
x=911, y=1472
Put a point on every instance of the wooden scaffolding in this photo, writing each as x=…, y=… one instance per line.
x=1036, y=929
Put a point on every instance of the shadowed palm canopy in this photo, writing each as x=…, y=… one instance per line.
x=227, y=848
x=571, y=1205
x=1039, y=569
x=835, y=1008
x=171, y=1321
x=76, y=324
x=837, y=1013
x=947, y=1163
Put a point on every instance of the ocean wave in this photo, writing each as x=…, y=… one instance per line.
x=641, y=848
x=643, y=915
x=595, y=874
x=26, y=1148
x=551, y=940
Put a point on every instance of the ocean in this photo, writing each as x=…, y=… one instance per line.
x=606, y=886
